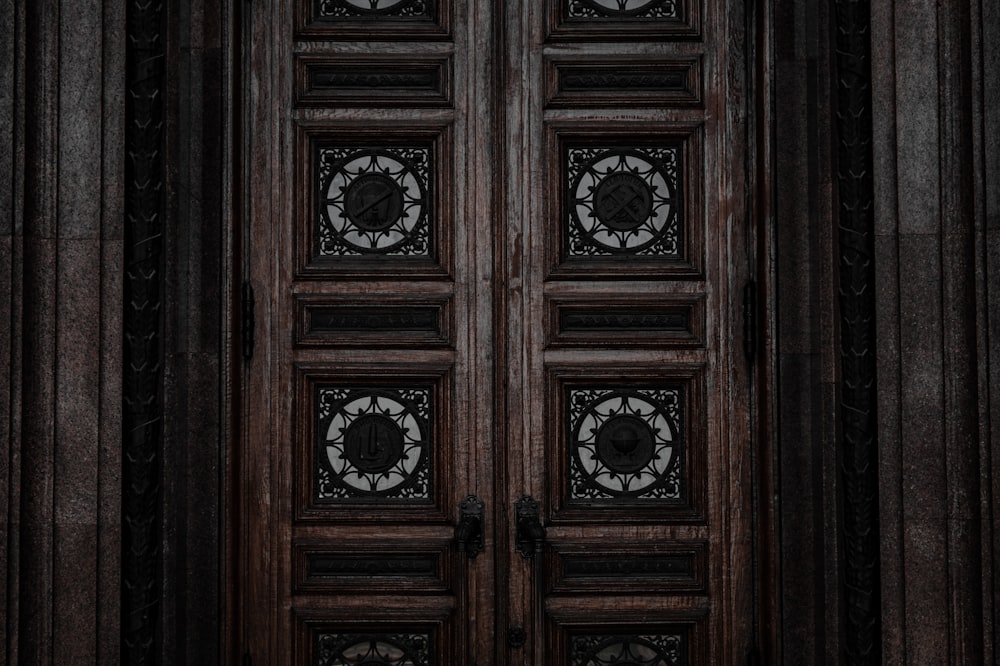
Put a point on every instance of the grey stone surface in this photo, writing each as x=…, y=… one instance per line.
x=62, y=338
x=80, y=119
x=989, y=383
x=935, y=458
x=113, y=120
x=8, y=114
x=8, y=375
x=915, y=33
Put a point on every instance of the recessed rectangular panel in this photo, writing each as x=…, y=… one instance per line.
x=576, y=320
x=623, y=83
x=373, y=81
x=611, y=567
x=332, y=319
x=626, y=322
x=372, y=565
x=389, y=567
x=396, y=321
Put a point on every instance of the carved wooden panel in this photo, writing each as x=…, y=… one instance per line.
x=376, y=80
x=374, y=440
x=626, y=322
x=496, y=270
x=628, y=444
x=395, y=321
x=641, y=649
x=625, y=443
x=620, y=82
x=597, y=566
x=370, y=647
x=354, y=565
x=372, y=202
x=629, y=204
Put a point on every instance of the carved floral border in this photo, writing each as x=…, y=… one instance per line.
x=857, y=438
x=142, y=408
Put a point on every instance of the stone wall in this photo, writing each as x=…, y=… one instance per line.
x=934, y=198
x=61, y=212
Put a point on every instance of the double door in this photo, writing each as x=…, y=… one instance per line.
x=497, y=409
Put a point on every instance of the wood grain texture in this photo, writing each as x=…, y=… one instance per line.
x=498, y=263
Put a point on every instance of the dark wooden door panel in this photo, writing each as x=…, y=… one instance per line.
x=497, y=249
x=624, y=217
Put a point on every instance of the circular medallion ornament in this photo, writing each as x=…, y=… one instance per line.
x=374, y=201
x=625, y=444
x=623, y=201
x=373, y=443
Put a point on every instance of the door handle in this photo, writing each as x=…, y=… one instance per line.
x=469, y=532
x=529, y=533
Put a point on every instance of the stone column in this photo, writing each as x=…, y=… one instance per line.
x=935, y=192
x=61, y=152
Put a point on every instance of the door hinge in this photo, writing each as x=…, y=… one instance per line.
x=248, y=320
x=750, y=320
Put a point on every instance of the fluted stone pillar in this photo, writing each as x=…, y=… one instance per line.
x=936, y=204
x=61, y=203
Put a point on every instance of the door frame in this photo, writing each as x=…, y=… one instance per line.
x=238, y=336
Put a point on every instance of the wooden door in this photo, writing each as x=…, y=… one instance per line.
x=497, y=408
